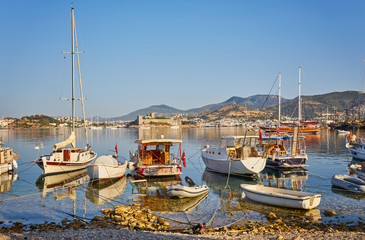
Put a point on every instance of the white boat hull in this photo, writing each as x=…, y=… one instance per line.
x=50, y=168
x=356, y=152
x=181, y=191
x=105, y=171
x=281, y=197
x=249, y=166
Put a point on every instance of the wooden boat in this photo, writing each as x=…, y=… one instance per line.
x=281, y=197
x=236, y=155
x=67, y=159
x=7, y=159
x=153, y=158
x=278, y=154
x=107, y=166
x=305, y=127
x=349, y=183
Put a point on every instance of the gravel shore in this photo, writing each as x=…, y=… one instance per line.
x=110, y=233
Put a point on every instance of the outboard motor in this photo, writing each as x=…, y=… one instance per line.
x=189, y=181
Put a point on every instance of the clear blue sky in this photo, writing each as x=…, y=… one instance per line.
x=182, y=53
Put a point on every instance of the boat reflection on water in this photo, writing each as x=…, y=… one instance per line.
x=348, y=194
x=153, y=195
x=63, y=184
x=285, y=213
x=6, y=180
x=105, y=190
x=293, y=179
x=217, y=182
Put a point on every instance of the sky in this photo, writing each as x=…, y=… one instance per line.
x=182, y=53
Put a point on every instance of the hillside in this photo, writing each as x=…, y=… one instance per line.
x=316, y=105
x=34, y=121
x=234, y=111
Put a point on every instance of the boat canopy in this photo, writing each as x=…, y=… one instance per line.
x=281, y=137
x=106, y=160
x=237, y=137
x=158, y=141
x=70, y=140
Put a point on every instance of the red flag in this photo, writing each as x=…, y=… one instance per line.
x=184, y=159
x=116, y=149
x=260, y=135
x=278, y=131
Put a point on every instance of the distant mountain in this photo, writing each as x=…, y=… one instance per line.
x=155, y=108
x=313, y=106
x=252, y=102
x=316, y=105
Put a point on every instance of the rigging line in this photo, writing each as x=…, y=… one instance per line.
x=210, y=222
x=24, y=196
x=27, y=168
x=267, y=96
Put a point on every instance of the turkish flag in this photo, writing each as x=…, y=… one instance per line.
x=260, y=135
x=184, y=159
x=116, y=149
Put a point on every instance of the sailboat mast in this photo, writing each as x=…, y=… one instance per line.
x=279, y=98
x=299, y=98
x=73, y=70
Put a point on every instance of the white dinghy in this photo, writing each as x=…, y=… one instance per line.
x=192, y=190
x=349, y=183
x=107, y=166
x=281, y=197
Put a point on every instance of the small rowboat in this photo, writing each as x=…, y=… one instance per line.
x=281, y=197
x=181, y=191
x=107, y=167
x=349, y=183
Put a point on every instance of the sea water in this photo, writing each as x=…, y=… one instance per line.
x=33, y=199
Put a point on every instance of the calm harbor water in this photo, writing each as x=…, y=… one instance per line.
x=33, y=199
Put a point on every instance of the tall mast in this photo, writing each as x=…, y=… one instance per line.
x=279, y=98
x=299, y=98
x=73, y=71
x=82, y=96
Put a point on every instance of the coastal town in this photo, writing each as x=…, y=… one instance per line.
x=182, y=120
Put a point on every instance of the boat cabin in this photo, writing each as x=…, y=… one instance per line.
x=6, y=155
x=279, y=145
x=241, y=146
x=157, y=151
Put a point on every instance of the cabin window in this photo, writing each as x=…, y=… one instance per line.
x=223, y=143
x=219, y=153
x=212, y=152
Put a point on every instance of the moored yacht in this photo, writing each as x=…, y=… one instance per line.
x=236, y=155
x=63, y=158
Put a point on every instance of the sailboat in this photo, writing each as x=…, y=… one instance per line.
x=67, y=159
x=305, y=127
